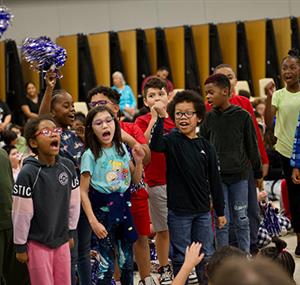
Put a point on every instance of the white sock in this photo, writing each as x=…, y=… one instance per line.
x=118, y=282
x=149, y=280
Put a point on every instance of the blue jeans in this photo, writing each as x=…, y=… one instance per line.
x=84, y=233
x=114, y=245
x=186, y=228
x=80, y=254
x=253, y=211
x=236, y=206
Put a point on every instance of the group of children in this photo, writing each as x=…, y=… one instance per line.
x=198, y=170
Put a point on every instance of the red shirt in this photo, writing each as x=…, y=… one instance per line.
x=133, y=130
x=244, y=103
x=155, y=171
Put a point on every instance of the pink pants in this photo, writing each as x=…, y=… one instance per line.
x=49, y=266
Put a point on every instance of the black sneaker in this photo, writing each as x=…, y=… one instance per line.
x=166, y=275
x=297, y=250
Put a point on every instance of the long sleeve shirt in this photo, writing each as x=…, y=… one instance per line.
x=192, y=171
x=46, y=203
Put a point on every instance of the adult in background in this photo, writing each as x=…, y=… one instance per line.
x=31, y=102
x=127, y=99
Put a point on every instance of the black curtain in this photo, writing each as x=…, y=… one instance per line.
x=116, y=62
x=15, y=89
x=215, y=53
x=162, y=51
x=86, y=73
x=272, y=65
x=143, y=62
x=191, y=66
x=295, y=33
x=243, y=62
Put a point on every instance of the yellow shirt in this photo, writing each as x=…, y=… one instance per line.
x=288, y=107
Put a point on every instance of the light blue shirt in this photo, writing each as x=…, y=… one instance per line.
x=127, y=98
x=110, y=172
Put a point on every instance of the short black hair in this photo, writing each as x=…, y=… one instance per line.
x=79, y=116
x=31, y=127
x=163, y=67
x=244, y=93
x=187, y=96
x=219, y=80
x=9, y=148
x=110, y=93
x=55, y=96
x=154, y=82
x=8, y=136
x=220, y=256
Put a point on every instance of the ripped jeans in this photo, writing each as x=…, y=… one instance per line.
x=236, y=205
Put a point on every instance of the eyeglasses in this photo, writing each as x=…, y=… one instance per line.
x=187, y=114
x=99, y=123
x=49, y=132
x=99, y=103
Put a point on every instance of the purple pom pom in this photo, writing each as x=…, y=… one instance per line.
x=5, y=18
x=43, y=54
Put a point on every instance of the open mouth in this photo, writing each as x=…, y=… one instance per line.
x=71, y=117
x=54, y=144
x=106, y=135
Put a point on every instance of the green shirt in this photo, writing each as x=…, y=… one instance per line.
x=6, y=186
x=288, y=106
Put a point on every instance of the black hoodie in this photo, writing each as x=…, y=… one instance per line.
x=233, y=135
x=46, y=203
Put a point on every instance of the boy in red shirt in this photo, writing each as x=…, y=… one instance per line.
x=156, y=95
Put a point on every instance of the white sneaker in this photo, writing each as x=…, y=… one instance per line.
x=193, y=279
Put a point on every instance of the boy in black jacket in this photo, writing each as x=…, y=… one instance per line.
x=230, y=129
x=192, y=178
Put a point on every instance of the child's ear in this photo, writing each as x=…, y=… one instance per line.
x=145, y=102
x=116, y=108
x=32, y=143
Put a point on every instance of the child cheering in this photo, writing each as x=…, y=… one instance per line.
x=106, y=173
x=46, y=203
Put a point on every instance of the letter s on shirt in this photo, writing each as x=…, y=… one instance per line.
x=22, y=191
x=75, y=182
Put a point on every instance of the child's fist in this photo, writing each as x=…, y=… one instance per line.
x=50, y=79
x=270, y=89
x=160, y=108
x=22, y=257
x=138, y=152
x=221, y=222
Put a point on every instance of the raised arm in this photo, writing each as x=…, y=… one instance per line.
x=50, y=80
x=270, y=110
x=158, y=141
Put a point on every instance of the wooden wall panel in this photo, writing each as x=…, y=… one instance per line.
x=256, y=41
x=99, y=47
x=282, y=30
x=129, y=55
x=2, y=72
x=30, y=75
x=228, y=42
x=201, y=41
x=151, y=43
x=175, y=43
x=70, y=70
